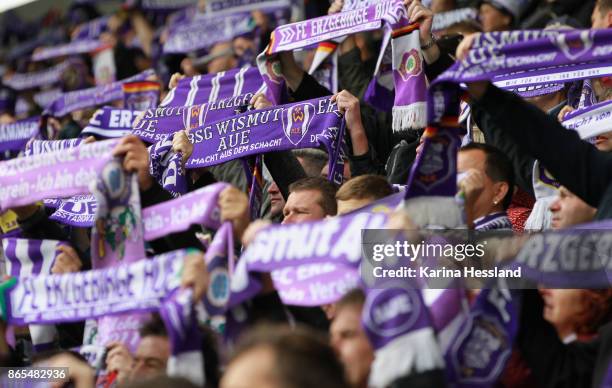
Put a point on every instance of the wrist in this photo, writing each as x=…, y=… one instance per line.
x=428, y=42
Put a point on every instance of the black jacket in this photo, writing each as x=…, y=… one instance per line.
x=554, y=364
x=576, y=164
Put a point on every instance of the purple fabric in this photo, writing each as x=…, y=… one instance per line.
x=220, y=265
x=181, y=323
x=72, y=48
x=56, y=174
x=212, y=87
x=78, y=211
x=207, y=31
x=46, y=97
x=157, y=5
x=307, y=124
x=314, y=284
x=37, y=147
x=27, y=257
x=109, y=122
x=253, y=171
x=285, y=249
x=139, y=286
x=444, y=20
x=539, y=90
x=118, y=233
x=391, y=313
x=141, y=95
x=534, y=61
x=223, y=6
x=591, y=121
x=166, y=167
x=479, y=352
x=46, y=77
x=434, y=171
x=158, y=124
x=14, y=136
x=92, y=29
x=86, y=98
x=196, y=207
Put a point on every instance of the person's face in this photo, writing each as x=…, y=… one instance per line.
x=493, y=19
x=603, y=142
x=567, y=210
x=600, y=19
x=484, y=204
x=254, y=368
x=276, y=200
x=151, y=356
x=351, y=345
x=352, y=204
x=303, y=206
x=222, y=63
x=562, y=307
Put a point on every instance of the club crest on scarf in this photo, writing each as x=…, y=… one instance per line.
x=437, y=162
x=218, y=293
x=296, y=121
x=274, y=71
x=120, y=222
x=411, y=65
x=576, y=46
x=482, y=350
x=391, y=311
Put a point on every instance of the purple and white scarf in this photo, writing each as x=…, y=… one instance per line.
x=212, y=87
x=86, y=98
x=591, y=121
x=108, y=123
x=37, y=147
x=92, y=29
x=444, y=20
x=157, y=124
x=164, y=5
x=28, y=179
x=207, y=31
x=311, y=263
x=197, y=207
x=46, y=77
x=141, y=95
x=78, y=211
x=14, y=136
x=180, y=318
x=515, y=59
x=408, y=76
x=398, y=326
x=167, y=168
x=307, y=124
x=139, y=286
x=493, y=221
x=46, y=97
x=219, y=7
x=72, y=48
x=32, y=258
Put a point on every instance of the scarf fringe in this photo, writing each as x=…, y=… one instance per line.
x=413, y=116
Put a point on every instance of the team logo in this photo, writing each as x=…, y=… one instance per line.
x=392, y=311
x=410, y=65
x=141, y=101
x=575, y=46
x=219, y=291
x=274, y=71
x=296, y=120
x=480, y=351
